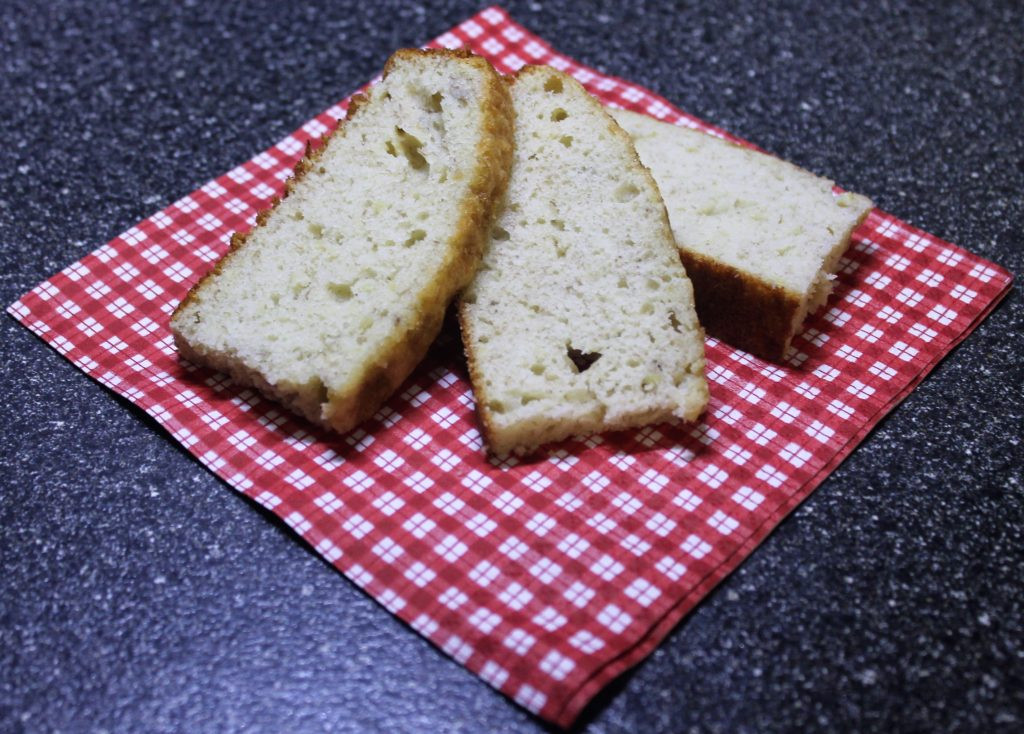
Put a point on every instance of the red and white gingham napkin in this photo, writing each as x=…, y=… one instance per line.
x=546, y=578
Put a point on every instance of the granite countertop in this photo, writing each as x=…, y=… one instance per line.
x=140, y=594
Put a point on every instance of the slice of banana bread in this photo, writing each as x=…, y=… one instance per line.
x=581, y=318
x=336, y=294
x=760, y=238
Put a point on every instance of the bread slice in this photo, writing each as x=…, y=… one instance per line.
x=760, y=238
x=581, y=318
x=336, y=294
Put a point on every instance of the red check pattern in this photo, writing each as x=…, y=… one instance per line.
x=550, y=577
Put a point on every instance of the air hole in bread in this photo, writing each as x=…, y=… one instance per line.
x=317, y=230
x=566, y=140
x=582, y=360
x=622, y=282
x=558, y=224
x=341, y=291
x=497, y=406
x=409, y=146
x=537, y=368
x=553, y=84
x=626, y=192
x=499, y=233
x=434, y=102
x=415, y=236
x=674, y=321
x=558, y=114
x=652, y=284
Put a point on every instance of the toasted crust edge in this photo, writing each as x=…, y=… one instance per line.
x=397, y=358
x=744, y=311
x=499, y=445
x=748, y=312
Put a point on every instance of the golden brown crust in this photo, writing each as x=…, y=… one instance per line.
x=476, y=379
x=408, y=344
x=739, y=309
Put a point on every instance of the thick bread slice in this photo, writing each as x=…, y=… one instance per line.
x=335, y=296
x=760, y=238
x=581, y=318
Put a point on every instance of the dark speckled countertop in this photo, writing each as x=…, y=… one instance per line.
x=141, y=594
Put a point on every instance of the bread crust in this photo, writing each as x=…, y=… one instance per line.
x=408, y=343
x=750, y=313
x=742, y=310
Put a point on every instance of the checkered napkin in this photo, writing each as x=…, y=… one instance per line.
x=547, y=578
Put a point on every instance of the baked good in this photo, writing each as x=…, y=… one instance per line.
x=581, y=318
x=336, y=294
x=760, y=238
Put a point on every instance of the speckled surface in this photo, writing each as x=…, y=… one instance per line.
x=138, y=593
